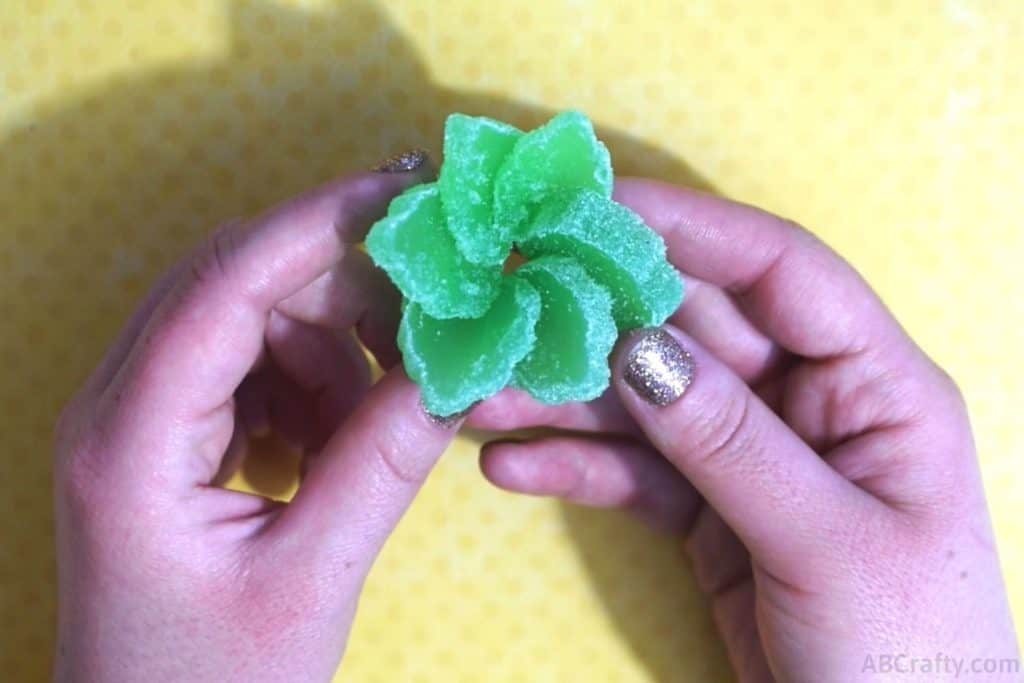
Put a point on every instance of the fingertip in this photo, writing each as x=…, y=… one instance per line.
x=513, y=466
x=498, y=466
x=654, y=364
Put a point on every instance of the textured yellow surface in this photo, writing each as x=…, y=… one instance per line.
x=128, y=128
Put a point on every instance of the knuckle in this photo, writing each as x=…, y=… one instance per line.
x=804, y=245
x=388, y=448
x=193, y=303
x=214, y=260
x=802, y=235
x=89, y=480
x=724, y=431
x=796, y=227
x=77, y=478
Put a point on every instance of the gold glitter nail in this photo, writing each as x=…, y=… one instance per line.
x=658, y=369
x=404, y=162
x=447, y=421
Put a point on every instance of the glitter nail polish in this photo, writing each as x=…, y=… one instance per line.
x=447, y=421
x=404, y=162
x=657, y=368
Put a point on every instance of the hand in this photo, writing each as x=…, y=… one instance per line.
x=165, y=576
x=819, y=466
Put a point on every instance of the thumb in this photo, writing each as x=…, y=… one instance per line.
x=778, y=495
x=368, y=473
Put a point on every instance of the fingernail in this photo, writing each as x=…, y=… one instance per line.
x=657, y=368
x=404, y=162
x=447, y=421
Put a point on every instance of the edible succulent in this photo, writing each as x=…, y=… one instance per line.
x=516, y=266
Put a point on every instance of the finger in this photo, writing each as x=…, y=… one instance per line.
x=619, y=474
x=602, y=473
x=707, y=314
x=353, y=294
x=513, y=409
x=367, y=475
x=312, y=381
x=327, y=366
x=779, y=497
x=713, y=318
x=204, y=337
x=240, y=275
x=722, y=569
x=611, y=474
x=796, y=289
x=717, y=556
x=733, y=611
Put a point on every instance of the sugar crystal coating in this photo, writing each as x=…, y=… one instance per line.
x=412, y=244
x=592, y=268
x=617, y=250
x=575, y=333
x=562, y=154
x=474, y=148
x=458, y=362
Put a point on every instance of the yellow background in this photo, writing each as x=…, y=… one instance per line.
x=128, y=128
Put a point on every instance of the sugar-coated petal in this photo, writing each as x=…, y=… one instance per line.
x=575, y=333
x=418, y=253
x=663, y=292
x=616, y=248
x=560, y=155
x=459, y=362
x=474, y=148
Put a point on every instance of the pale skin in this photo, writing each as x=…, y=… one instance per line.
x=820, y=468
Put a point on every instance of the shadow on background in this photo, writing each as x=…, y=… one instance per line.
x=199, y=143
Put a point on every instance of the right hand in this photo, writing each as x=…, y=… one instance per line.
x=819, y=466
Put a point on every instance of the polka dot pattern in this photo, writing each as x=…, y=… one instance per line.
x=130, y=128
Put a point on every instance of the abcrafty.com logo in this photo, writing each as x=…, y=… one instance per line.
x=938, y=665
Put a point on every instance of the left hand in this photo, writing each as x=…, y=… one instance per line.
x=163, y=574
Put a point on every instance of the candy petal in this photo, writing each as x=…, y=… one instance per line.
x=562, y=154
x=413, y=246
x=575, y=333
x=474, y=148
x=616, y=248
x=459, y=362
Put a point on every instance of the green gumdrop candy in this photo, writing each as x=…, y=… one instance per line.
x=413, y=246
x=459, y=362
x=616, y=248
x=562, y=154
x=575, y=333
x=474, y=148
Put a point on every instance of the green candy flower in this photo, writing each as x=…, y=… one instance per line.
x=472, y=323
